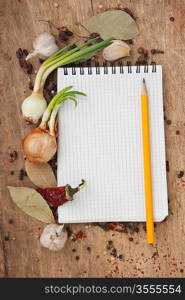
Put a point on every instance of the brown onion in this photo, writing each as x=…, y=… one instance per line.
x=39, y=146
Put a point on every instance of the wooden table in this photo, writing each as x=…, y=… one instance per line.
x=20, y=252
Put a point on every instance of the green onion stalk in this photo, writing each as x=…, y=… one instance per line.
x=40, y=144
x=34, y=106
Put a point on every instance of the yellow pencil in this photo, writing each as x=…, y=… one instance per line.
x=147, y=165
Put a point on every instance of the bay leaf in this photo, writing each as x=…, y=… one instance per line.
x=40, y=174
x=32, y=203
x=115, y=24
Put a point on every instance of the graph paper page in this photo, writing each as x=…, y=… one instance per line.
x=100, y=141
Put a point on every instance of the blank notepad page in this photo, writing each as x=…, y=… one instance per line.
x=100, y=141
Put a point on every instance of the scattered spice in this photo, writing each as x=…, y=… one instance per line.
x=181, y=270
x=88, y=249
x=140, y=50
x=120, y=256
x=22, y=174
x=169, y=122
x=167, y=166
x=123, y=227
x=177, y=132
x=141, y=61
x=73, y=46
x=51, y=85
x=69, y=231
x=131, y=42
x=77, y=257
x=31, y=86
x=110, y=242
x=41, y=60
x=114, y=252
x=155, y=254
x=80, y=235
x=95, y=35
x=53, y=164
x=180, y=174
x=112, y=226
x=12, y=172
x=143, y=52
x=130, y=239
x=13, y=156
x=155, y=51
x=65, y=33
x=26, y=66
x=74, y=250
x=63, y=36
x=6, y=238
x=128, y=11
x=172, y=19
x=10, y=221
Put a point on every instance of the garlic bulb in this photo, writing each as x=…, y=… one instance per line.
x=33, y=107
x=44, y=46
x=116, y=50
x=53, y=237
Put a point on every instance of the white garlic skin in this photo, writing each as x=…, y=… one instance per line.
x=53, y=237
x=118, y=49
x=43, y=46
x=33, y=107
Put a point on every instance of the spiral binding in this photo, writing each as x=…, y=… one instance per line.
x=106, y=68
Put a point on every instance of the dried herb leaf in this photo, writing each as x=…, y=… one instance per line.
x=113, y=23
x=40, y=174
x=32, y=203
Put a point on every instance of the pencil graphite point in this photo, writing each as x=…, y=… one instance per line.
x=144, y=89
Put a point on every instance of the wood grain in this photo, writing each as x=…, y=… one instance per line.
x=22, y=255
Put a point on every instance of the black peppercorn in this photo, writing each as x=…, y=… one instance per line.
x=181, y=174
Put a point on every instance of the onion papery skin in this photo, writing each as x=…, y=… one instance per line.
x=39, y=146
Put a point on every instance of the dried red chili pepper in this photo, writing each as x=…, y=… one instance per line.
x=59, y=195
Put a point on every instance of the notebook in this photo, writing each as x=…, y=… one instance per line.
x=100, y=141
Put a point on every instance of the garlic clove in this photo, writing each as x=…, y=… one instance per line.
x=53, y=237
x=39, y=146
x=118, y=49
x=33, y=107
x=44, y=46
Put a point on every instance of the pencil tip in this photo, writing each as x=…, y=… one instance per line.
x=143, y=80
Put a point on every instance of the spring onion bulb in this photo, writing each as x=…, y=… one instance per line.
x=40, y=144
x=32, y=109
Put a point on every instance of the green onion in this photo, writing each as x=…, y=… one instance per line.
x=40, y=144
x=34, y=106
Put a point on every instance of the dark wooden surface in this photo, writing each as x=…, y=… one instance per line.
x=22, y=255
